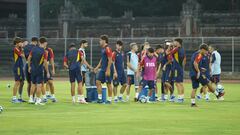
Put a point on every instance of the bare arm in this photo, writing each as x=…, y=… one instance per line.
x=129, y=65
x=45, y=63
x=197, y=69
x=98, y=66
x=53, y=65
x=65, y=62
x=86, y=63
x=109, y=65
x=29, y=63
x=184, y=62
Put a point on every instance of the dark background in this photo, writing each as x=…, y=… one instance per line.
x=116, y=8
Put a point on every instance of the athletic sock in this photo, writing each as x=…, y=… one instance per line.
x=44, y=96
x=47, y=93
x=166, y=97
x=14, y=97
x=38, y=100
x=79, y=97
x=109, y=98
x=73, y=98
x=193, y=101
x=20, y=96
x=207, y=95
x=136, y=95
x=115, y=97
x=100, y=96
x=127, y=97
x=53, y=96
x=216, y=93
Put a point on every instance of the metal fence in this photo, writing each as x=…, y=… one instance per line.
x=229, y=48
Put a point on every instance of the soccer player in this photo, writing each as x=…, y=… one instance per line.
x=179, y=64
x=37, y=61
x=84, y=67
x=72, y=61
x=106, y=69
x=159, y=53
x=132, y=67
x=215, y=65
x=149, y=62
x=118, y=60
x=18, y=68
x=139, y=78
x=49, y=80
x=168, y=72
x=27, y=50
x=205, y=68
x=196, y=74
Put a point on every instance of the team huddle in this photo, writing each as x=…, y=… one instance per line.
x=39, y=69
x=166, y=61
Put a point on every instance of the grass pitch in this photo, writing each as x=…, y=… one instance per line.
x=210, y=118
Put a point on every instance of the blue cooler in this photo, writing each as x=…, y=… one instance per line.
x=92, y=94
x=145, y=93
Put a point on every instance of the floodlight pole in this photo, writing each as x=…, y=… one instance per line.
x=33, y=18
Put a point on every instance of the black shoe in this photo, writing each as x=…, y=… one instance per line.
x=21, y=100
x=194, y=105
x=135, y=99
x=100, y=101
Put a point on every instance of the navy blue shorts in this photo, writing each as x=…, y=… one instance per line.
x=37, y=76
x=149, y=83
x=167, y=75
x=74, y=75
x=27, y=74
x=122, y=79
x=215, y=78
x=103, y=78
x=45, y=75
x=178, y=74
x=202, y=79
x=18, y=74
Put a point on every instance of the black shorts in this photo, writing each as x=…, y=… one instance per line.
x=74, y=75
x=215, y=78
x=122, y=79
x=202, y=79
x=149, y=83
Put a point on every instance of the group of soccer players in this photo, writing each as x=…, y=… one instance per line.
x=38, y=70
x=143, y=68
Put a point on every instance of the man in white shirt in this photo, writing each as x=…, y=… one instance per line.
x=84, y=69
x=132, y=67
x=215, y=65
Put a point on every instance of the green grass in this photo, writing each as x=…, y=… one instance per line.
x=210, y=118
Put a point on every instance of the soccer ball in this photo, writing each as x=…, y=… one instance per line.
x=220, y=88
x=8, y=86
x=143, y=99
x=1, y=109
